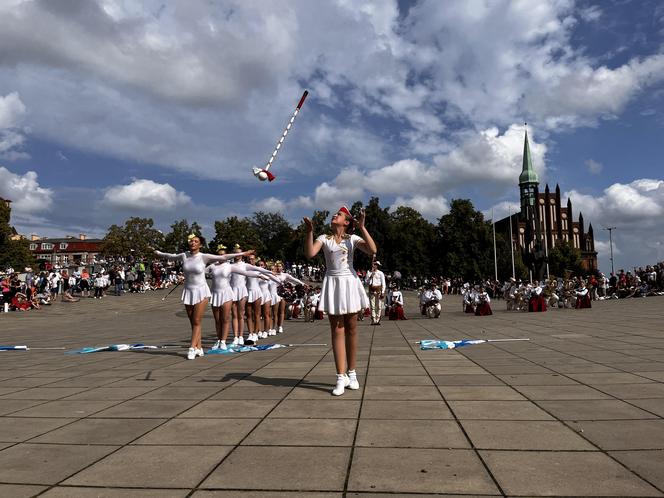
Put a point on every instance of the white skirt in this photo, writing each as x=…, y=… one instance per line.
x=342, y=295
x=253, y=295
x=219, y=297
x=267, y=296
x=239, y=293
x=196, y=294
x=276, y=299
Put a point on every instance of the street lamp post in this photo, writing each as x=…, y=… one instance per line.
x=611, y=229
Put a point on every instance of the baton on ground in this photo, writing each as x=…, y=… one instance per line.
x=170, y=292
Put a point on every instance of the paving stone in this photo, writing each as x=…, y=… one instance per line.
x=293, y=468
x=83, y=492
x=189, y=431
x=399, y=380
x=65, y=409
x=16, y=429
x=144, y=408
x=634, y=391
x=264, y=494
x=402, y=393
x=411, y=434
x=404, y=410
x=112, y=431
x=606, y=409
x=111, y=393
x=647, y=464
x=20, y=491
x=563, y=474
x=180, y=392
x=619, y=435
x=46, y=463
x=8, y=406
x=44, y=393
x=543, y=393
x=419, y=471
x=261, y=392
x=332, y=408
x=537, y=380
x=230, y=409
x=303, y=432
x=523, y=435
x=498, y=410
x=160, y=466
x=480, y=393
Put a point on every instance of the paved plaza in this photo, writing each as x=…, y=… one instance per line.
x=576, y=411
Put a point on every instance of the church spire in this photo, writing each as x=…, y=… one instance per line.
x=528, y=174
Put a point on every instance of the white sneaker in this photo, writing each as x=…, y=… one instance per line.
x=280, y=330
x=240, y=341
x=222, y=345
x=199, y=352
x=236, y=341
x=352, y=380
x=342, y=382
x=191, y=354
x=216, y=345
x=264, y=335
x=272, y=332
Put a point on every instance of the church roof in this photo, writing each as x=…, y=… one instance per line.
x=528, y=174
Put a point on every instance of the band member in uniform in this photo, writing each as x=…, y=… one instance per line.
x=376, y=281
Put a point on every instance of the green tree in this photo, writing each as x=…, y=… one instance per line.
x=135, y=237
x=234, y=230
x=565, y=258
x=411, y=239
x=466, y=242
x=16, y=253
x=176, y=240
x=275, y=232
x=295, y=251
x=378, y=225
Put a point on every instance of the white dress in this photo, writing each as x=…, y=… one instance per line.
x=239, y=282
x=274, y=286
x=221, y=285
x=221, y=278
x=342, y=292
x=265, y=290
x=254, y=291
x=193, y=265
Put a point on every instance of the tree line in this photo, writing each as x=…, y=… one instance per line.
x=459, y=244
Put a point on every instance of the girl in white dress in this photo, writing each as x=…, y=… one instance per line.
x=196, y=292
x=266, y=306
x=239, y=285
x=222, y=295
x=280, y=311
x=255, y=298
x=343, y=294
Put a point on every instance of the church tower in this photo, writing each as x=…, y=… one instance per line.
x=528, y=182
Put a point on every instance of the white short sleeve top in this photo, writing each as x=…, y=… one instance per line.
x=339, y=257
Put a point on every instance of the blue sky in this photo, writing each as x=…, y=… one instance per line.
x=125, y=108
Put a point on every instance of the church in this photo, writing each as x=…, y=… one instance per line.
x=543, y=221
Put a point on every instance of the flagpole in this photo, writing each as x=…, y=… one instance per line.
x=512, y=242
x=495, y=256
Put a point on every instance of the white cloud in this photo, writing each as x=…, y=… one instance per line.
x=594, y=167
x=430, y=208
x=206, y=88
x=635, y=209
x=145, y=195
x=12, y=112
x=502, y=210
x=24, y=191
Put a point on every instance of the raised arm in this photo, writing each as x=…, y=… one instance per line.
x=258, y=269
x=291, y=278
x=221, y=258
x=367, y=244
x=311, y=247
x=168, y=255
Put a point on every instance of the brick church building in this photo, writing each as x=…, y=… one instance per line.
x=543, y=221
